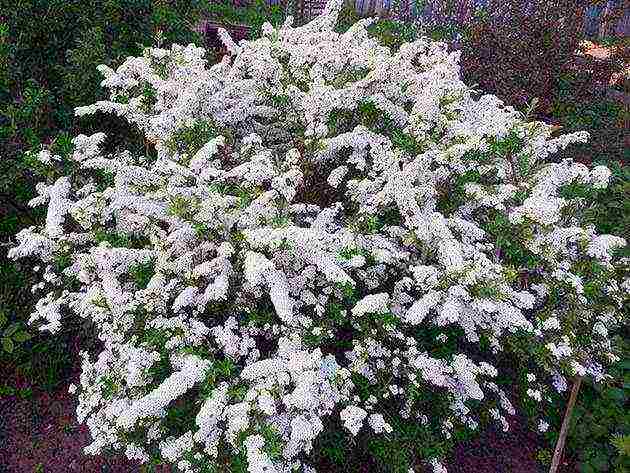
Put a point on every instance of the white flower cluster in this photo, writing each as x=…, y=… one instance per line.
x=264, y=260
x=353, y=417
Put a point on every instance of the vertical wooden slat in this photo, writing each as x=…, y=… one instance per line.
x=624, y=27
x=607, y=18
x=373, y=6
x=378, y=10
x=564, y=429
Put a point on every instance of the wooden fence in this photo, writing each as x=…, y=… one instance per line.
x=605, y=19
x=602, y=18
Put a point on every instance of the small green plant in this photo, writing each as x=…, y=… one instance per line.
x=273, y=441
x=544, y=456
x=142, y=274
x=394, y=33
x=622, y=444
x=45, y=364
x=6, y=391
x=12, y=334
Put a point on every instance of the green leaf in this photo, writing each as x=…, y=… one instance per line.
x=6, y=390
x=7, y=344
x=12, y=329
x=600, y=462
x=586, y=468
x=22, y=336
x=616, y=394
x=3, y=319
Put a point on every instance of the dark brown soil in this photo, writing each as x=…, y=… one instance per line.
x=496, y=451
x=41, y=434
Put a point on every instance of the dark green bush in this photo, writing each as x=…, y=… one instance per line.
x=49, y=51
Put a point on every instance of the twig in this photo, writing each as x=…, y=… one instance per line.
x=564, y=430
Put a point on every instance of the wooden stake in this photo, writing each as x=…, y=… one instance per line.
x=564, y=430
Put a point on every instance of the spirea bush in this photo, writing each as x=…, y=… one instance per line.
x=321, y=229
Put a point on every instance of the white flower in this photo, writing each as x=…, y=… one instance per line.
x=599, y=176
x=561, y=350
x=336, y=175
x=257, y=460
x=437, y=466
x=559, y=382
x=601, y=246
x=534, y=394
x=263, y=368
x=172, y=449
x=378, y=424
x=373, y=303
x=135, y=452
x=551, y=323
x=539, y=209
x=352, y=417
x=600, y=329
x=174, y=386
x=420, y=309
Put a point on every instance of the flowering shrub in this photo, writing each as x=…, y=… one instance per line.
x=323, y=229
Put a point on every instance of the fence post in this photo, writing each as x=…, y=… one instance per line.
x=564, y=430
x=593, y=19
x=623, y=27
x=613, y=16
